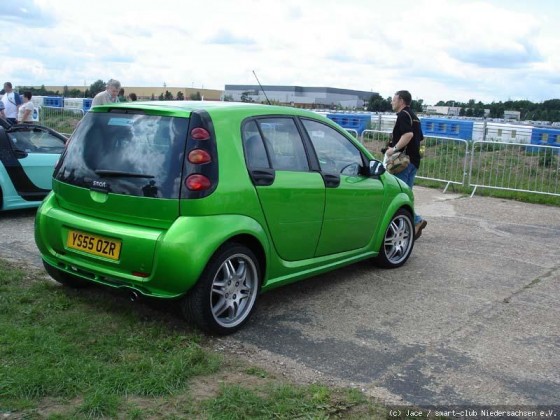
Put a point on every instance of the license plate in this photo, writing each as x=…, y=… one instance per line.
x=94, y=244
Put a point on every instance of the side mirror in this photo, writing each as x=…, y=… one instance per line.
x=376, y=168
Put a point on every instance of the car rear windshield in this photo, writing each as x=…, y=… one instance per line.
x=126, y=153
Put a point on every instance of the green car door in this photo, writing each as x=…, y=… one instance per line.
x=291, y=196
x=355, y=204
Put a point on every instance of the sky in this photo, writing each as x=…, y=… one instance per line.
x=487, y=50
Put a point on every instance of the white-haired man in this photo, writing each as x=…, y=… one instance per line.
x=109, y=95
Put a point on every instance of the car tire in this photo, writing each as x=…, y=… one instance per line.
x=65, y=278
x=398, y=241
x=225, y=295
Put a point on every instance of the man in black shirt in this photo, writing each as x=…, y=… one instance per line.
x=404, y=140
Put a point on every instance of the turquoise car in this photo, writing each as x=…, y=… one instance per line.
x=28, y=154
x=211, y=203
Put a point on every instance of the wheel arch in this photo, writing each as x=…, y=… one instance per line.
x=400, y=241
x=401, y=201
x=254, y=245
x=219, y=307
x=407, y=208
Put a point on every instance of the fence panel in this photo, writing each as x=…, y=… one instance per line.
x=516, y=167
x=63, y=120
x=375, y=140
x=480, y=163
x=353, y=132
x=445, y=159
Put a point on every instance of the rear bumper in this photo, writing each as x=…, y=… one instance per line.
x=162, y=263
x=135, y=268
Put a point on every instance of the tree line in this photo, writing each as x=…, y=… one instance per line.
x=545, y=111
x=42, y=91
x=548, y=110
x=100, y=86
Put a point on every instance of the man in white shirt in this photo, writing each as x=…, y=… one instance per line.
x=109, y=95
x=11, y=101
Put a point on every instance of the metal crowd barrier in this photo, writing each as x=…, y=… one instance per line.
x=482, y=164
x=476, y=164
x=63, y=120
x=353, y=132
x=375, y=140
x=515, y=167
x=445, y=159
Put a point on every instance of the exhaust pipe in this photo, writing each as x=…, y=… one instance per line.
x=134, y=296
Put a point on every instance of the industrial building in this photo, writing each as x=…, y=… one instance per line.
x=299, y=96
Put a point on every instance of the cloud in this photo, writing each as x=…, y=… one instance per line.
x=341, y=56
x=225, y=37
x=488, y=36
x=517, y=55
x=117, y=58
x=26, y=12
x=489, y=50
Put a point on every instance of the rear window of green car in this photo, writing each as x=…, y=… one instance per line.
x=126, y=153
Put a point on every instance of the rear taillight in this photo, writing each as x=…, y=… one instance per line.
x=200, y=133
x=197, y=182
x=199, y=157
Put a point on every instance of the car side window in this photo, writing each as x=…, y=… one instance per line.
x=274, y=142
x=335, y=152
x=21, y=142
x=36, y=141
x=255, y=153
x=285, y=144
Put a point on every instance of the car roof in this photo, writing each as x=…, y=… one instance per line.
x=190, y=106
x=185, y=108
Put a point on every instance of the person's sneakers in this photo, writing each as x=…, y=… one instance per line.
x=418, y=228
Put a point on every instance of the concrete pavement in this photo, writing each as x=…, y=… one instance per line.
x=471, y=319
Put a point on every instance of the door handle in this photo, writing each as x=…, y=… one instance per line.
x=262, y=177
x=331, y=180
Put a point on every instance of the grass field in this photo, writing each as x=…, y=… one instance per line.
x=59, y=119
x=89, y=353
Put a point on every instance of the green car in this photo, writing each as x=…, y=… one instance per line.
x=212, y=203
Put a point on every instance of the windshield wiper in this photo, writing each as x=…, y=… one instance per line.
x=111, y=173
